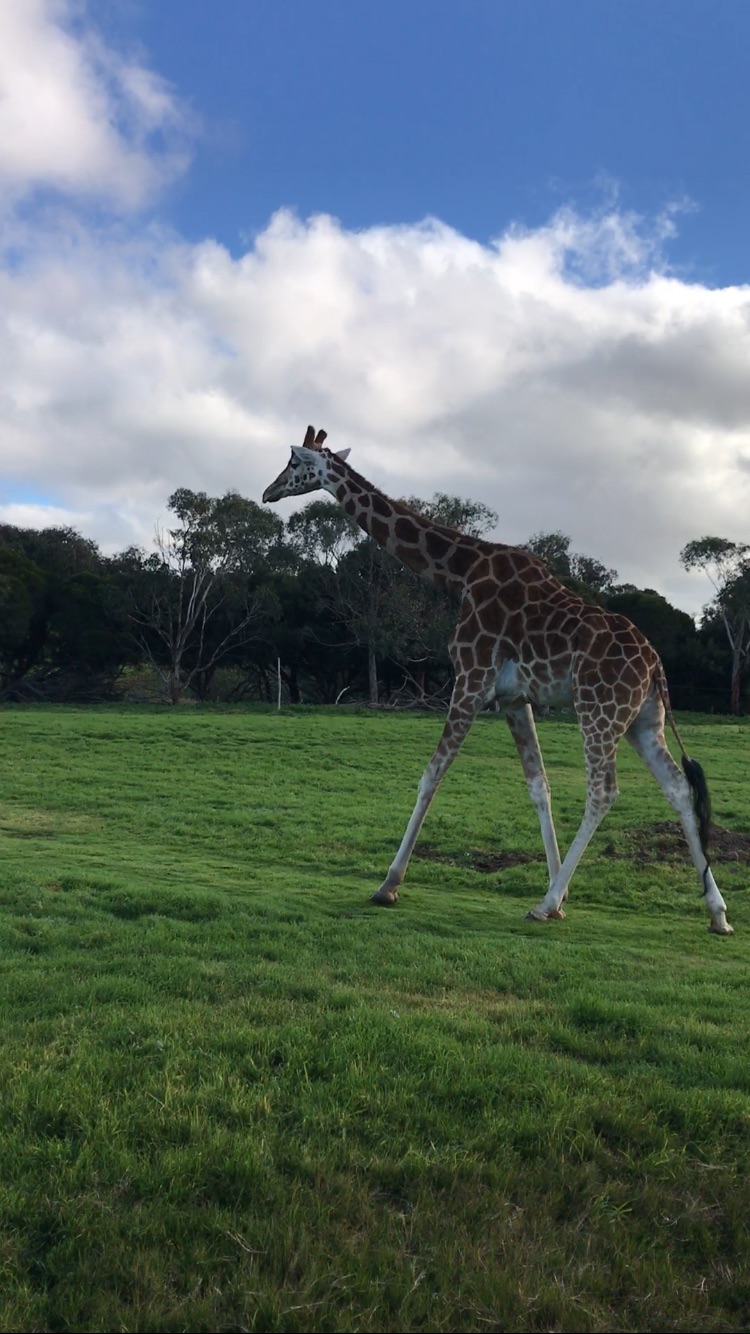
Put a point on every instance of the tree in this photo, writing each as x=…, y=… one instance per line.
x=23, y=621
x=322, y=532
x=308, y=637
x=64, y=632
x=199, y=593
x=585, y=574
x=590, y=572
x=364, y=578
x=367, y=600
x=554, y=550
x=727, y=566
x=467, y=516
x=675, y=638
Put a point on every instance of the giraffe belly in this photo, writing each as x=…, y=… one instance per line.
x=517, y=683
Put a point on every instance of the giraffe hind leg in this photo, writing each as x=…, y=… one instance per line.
x=646, y=736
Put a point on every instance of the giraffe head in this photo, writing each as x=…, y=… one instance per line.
x=307, y=470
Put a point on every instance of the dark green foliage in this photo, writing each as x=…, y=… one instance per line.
x=727, y=566
x=22, y=612
x=63, y=625
x=586, y=575
x=322, y=531
x=203, y=594
x=468, y=516
x=692, y=682
x=232, y=599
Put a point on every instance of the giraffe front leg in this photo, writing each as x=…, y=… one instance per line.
x=468, y=698
x=387, y=894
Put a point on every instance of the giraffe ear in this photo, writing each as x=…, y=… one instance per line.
x=309, y=440
x=320, y=437
x=342, y=454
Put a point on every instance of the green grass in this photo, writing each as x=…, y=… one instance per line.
x=236, y=1096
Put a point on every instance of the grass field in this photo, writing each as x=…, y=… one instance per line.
x=236, y=1096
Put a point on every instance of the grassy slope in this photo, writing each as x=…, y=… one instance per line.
x=234, y=1095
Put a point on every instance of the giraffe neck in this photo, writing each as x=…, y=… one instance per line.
x=439, y=554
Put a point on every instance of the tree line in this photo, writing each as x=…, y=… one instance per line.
x=232, y=602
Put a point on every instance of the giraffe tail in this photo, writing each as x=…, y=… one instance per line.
x=691, y=768
x=701, y=800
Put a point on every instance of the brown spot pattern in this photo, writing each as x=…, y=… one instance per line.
x=437, y=545
x=405, y=530
x=514, y=611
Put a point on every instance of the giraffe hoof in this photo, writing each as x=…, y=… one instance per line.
x=725, y=930
x=385, y=897
x=554, y=915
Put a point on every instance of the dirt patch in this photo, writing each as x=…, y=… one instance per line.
x=477, y=860
x=665, y=841
x=660, y=842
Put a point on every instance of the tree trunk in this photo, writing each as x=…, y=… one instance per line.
x=736, y=682
x=291, y=681
x=176, y=687
x=372, y=664
x=202, y=682
x=264, y=685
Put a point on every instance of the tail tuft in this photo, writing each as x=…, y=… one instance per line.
x=701, y=800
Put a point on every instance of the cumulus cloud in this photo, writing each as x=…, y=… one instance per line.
x=619, y=412
x=561, y=374
x=79, y=117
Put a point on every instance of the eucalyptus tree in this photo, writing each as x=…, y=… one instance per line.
x=200, y=593
x=727, y=566
x=383, y=610
x=674, y=636
x=584, y=573
x=63, y=631
x=23, y=616
x=467, y=516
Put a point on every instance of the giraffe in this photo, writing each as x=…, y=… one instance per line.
x=524, y=639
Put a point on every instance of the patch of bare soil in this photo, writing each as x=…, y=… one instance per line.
x=660, y=842
x=665, y=841
x=477, y=860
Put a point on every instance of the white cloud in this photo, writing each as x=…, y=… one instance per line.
x=77, y=116
x=561, y=374
x=31, y=515
x=618, y=412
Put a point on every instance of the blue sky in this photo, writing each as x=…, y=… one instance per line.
x=479, y=113
x=499, y=249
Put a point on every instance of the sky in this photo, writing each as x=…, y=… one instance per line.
x=499, y=249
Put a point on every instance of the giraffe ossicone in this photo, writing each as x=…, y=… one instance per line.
x=524, y=639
